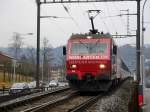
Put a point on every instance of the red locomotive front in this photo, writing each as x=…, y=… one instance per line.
x=88, y=61
x=93, y=62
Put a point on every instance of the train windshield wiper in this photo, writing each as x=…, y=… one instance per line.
x=94, y=45
x=86, y=45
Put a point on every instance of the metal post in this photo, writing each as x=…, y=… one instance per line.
x=134, y=101
x=138, y=51
x=128, y=23
x=142, y=52
x=136, y=86
x=38, y=44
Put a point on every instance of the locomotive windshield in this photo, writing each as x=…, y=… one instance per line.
x=88, y=48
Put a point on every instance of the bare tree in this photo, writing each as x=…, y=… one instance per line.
x=15, y=49
x=15, y=46
x=46, y=59
x=29, y=57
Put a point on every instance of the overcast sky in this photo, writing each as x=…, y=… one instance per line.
x=20, y=16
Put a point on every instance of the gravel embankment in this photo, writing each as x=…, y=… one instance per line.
x=117, y=102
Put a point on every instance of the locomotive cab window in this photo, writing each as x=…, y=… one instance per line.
x=89, y=48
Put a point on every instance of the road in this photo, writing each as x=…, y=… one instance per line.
x=146, y=107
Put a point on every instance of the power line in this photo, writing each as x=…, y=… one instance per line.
x=128, y=33
x=122, y=21
x=102, y=20
x=120, y=15
x=122, y=36
x=128, y=24
x=110, y=18
x=60, y=28
x=85, y=18
x=56, y=17
x=66, y=9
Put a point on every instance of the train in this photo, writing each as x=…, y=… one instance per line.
x=93, y=62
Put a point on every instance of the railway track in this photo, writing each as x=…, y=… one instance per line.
x=27, y=101
x=86, y=104
x=73, y=102
x=53, y=103
x=5, y=98
x=61, y=101
x=9, y=97
x=70, y=103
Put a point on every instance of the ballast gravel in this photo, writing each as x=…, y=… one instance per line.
x=117, y=102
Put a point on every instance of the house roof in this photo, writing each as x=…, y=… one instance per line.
x=5, y=58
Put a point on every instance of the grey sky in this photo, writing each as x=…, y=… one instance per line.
x=20, y=16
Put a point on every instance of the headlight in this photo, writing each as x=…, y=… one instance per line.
x=73, y=66
x=102, y=66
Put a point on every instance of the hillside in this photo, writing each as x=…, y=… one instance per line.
x=127, y=52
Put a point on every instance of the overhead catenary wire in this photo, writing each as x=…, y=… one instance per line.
x=121, y=36
x=75, y=22
x=112, y=22
x=55, y=23
x=119, y=15
x=105, y=25
x=121, y=19
x=85, y=17
x=59, y=27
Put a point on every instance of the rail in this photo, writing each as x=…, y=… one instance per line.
x=50, y=103
x=86, y=104
x=17, y=101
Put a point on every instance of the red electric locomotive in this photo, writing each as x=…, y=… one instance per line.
x=93, y=62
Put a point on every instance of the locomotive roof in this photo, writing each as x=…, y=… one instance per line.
x=84, y=36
